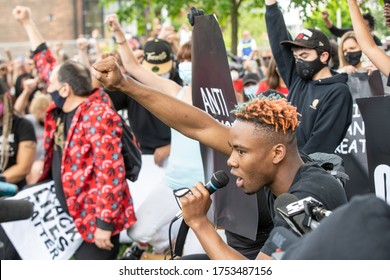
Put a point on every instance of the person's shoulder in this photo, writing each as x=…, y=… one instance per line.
x=30, y=118
x=98, y=98
x=311, y=168
x=340, y=78
x=18, y=120
x=312, y=175
x=337, y=83
x=321, y=184
x=22, y=126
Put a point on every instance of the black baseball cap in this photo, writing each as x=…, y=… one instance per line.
x=310, y=38
x=158, y=56
x=250, y=78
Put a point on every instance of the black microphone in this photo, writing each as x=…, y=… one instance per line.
x=15, y=210
x=302, y=215
x=218, y=180
x=288, y=207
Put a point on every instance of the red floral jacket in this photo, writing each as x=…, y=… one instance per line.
x=92, y=171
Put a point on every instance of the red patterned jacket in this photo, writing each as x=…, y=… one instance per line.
x=92, y=171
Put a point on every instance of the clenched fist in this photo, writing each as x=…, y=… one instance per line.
x=22, y=14
x=107, y=71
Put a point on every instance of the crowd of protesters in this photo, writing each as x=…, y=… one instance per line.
x=45, y=96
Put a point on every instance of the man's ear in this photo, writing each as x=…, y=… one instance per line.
x=65, y=90
x=279, y=152
x=324, y=57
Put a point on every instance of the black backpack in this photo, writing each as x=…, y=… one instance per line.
x=332, y=163
x=131, y=152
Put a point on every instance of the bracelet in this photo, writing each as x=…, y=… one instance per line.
x=121, y=43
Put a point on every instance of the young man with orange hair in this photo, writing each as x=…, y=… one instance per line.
x=261, y=144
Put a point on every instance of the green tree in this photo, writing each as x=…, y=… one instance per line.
x=236, y=15
x=143, y=11
x=310, y=12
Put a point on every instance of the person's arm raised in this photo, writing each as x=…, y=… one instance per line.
x=21, y=101
x=377, y=56
x=187, y=119
x=327, y=21
x=23, y=16
x=132, y=65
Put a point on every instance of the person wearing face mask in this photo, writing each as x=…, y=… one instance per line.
x=378, y=57
x=184, y=164
x=321, y=96
x=185, y=72
x=235, y=73
x=251, y=83
x=82, y=143
x=351, y=56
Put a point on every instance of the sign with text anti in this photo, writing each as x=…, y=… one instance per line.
x=213, y=92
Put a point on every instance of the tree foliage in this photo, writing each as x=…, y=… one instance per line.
x=231, y=13
x=310, y=12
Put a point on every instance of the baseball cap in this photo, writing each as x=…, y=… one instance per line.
x=158, y=56
x=311, y=39
x=250, y=78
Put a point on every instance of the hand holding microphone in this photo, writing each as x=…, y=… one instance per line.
x=218, y=180
x=196, y=207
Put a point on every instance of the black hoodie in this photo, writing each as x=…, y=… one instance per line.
x=325, y=105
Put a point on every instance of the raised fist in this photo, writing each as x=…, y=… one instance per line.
x=82, y=43
x=112, y=22
x=22, y=14
x=106, y=70
x=30, y=85
x=325, y=15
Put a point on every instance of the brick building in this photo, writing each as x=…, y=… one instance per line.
x=57, y=20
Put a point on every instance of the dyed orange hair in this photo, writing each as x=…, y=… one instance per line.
x=269, y=111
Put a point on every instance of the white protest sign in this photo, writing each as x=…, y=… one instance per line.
x=50, y=233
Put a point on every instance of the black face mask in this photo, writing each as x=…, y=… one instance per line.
x=58, y=99
x=41, y=123
x=307, y=69
x=353, y=58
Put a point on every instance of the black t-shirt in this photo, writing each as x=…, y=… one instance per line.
x=247, y=247
x=151, y=133
x=310, y=180
x=22, y=130
x=63, y=122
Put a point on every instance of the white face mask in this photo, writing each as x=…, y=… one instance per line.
x=250, y=91
x=165, y=75
x=234, y=75
x=185, y=72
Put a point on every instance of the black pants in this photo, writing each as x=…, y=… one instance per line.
x=89, y=251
